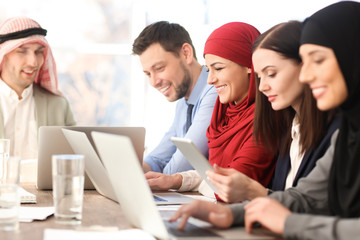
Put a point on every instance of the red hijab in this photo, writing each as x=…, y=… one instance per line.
x=231, y=144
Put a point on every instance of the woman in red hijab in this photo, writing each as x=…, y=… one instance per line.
x=231, y=145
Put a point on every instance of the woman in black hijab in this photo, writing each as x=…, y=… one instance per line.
x=337, y=29
x=325, y=204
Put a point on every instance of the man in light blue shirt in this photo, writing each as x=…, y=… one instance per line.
x=168, y=58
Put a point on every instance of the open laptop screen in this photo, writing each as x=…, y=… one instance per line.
x=52, y=141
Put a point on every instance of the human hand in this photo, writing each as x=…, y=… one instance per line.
x=163, y=182
x=234, y=186
x=268, y=212
x=217, y=214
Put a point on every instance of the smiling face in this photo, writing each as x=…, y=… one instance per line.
x=230, y=79
x=21, y=66
x=167, y=73
x=322, y=72
x=279, y=79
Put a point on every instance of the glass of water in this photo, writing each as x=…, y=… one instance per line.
x=9, y=207
x=9, y=188
x=68, y=187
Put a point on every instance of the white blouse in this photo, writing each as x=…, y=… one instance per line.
x=295, y=155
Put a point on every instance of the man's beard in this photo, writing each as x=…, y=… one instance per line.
x=183, y=88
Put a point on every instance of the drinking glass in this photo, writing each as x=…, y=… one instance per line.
x=68, y=187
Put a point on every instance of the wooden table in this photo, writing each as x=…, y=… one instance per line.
x=97, y=210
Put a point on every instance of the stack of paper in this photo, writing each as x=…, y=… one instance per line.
x=29, y=214
x=26, y=197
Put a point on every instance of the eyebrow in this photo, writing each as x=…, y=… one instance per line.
x=24, y=47
x=154, y=66
x=211, y=65
x=316, y=51
x=266, y=67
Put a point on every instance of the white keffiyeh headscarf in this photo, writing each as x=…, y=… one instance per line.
x=13, y=34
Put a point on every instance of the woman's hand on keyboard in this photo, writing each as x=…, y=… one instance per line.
x=217, y=214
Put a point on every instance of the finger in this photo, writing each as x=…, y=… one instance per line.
x=183, y=221
x=224, y=196
x=151, y=184
x=154, y=184
x=248, y=227
x=150, y=181
x=150, y=175
x=215, y=177
x=252, y=203
x=176, y=215
x=220, y=170
x=253, y=213
x=219, y=186
x=248, y=222
x=209, y=173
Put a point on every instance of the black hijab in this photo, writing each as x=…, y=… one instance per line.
x=338, y=27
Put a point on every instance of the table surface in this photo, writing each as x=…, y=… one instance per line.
x=97, y=210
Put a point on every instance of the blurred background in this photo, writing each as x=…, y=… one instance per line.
x=92, y=41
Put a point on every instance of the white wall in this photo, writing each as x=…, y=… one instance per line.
x=92, y=39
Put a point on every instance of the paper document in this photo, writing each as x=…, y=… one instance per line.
x=26, y=197
x=29, y=214
x=58, y=234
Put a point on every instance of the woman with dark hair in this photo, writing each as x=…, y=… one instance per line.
x=282, y=122
x=300, y=139
x=325, y=204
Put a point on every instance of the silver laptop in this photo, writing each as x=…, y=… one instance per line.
x=135, y=197
x=80, y=144
x=197, y=160
x=52, y=141
x=99, y=176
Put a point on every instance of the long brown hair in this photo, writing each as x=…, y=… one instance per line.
x=273, y=128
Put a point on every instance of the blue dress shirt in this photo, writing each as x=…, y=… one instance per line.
x=166, y=157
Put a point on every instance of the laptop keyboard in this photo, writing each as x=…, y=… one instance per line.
x=190, y=230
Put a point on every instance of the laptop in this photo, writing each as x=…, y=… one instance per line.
x=94, y=168
x=52, y=141
x=135, y=197
x=197, y=160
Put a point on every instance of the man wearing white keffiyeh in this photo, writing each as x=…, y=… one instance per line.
x=29, y=95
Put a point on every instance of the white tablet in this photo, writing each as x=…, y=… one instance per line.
x=197, y=160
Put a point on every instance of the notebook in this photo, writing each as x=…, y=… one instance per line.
x=52, y=141
x=135, y=197
x=99, y=176
x=197, y=160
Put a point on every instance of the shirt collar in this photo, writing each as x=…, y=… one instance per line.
x=28, y=92
x=199, y=86
x=295, y=130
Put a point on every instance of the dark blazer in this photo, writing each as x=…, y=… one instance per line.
x=308, y=162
